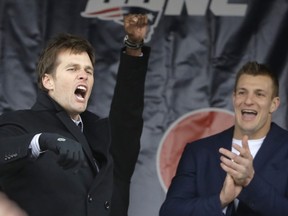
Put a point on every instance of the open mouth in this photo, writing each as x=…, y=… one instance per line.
x=80, y=92
x=249, y=113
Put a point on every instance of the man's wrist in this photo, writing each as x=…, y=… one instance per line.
x=132, y=44
x=132, y=52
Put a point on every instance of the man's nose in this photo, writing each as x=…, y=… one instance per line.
x=249, y=99
x=82, y=74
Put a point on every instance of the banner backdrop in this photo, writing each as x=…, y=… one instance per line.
x=197, y=47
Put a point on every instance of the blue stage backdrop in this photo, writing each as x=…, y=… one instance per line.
x=197, y=47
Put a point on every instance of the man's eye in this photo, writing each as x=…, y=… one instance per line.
x=90, y=72
x=71, y=69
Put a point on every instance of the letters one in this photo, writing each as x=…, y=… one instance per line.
x=199, y=7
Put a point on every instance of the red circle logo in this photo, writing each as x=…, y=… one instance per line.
x=192, y=126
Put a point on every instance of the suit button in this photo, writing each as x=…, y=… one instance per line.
x=107, y=205
x=90, y=199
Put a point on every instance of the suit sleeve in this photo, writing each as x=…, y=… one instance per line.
x=183, y=198
x=126, y=125
x=267, y=193
x=14, y=147
x=260, y=196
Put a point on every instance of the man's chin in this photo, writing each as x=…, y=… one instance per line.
x=81, y=109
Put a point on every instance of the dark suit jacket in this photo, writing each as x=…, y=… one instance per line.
x=43, y=188
x=196, y=187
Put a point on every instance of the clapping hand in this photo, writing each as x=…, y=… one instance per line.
x=240, y=167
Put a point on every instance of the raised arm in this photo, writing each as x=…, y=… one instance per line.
x=126, y=110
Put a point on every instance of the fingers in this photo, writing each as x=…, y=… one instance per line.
x=136, y=26
x=234, y=161
x=245, y=143
x=68, y=159
x=232, y=166
x=71, y=156
x=239, y=166
x=244, y=151
x=227, y=153
x=229, y=191
x=139, y=20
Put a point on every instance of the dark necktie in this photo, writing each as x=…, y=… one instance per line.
x=80, y=126
x=230, y=209
x=244, y=210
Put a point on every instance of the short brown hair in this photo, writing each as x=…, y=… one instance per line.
x=254, y=68
x=61, y=42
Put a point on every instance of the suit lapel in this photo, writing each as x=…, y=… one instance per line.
x=98, y=130
x=224, y=141
x=269, y=146
x=98, y=134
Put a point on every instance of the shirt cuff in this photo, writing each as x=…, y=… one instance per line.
x=34, y=145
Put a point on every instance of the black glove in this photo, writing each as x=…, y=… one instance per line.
x=70, y=152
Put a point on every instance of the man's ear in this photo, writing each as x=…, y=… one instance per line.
x=48, y=81
x=275, y=104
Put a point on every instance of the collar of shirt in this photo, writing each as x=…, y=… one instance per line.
x=79, y=123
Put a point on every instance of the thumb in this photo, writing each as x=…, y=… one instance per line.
x=246, y=153
x=245, y=143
